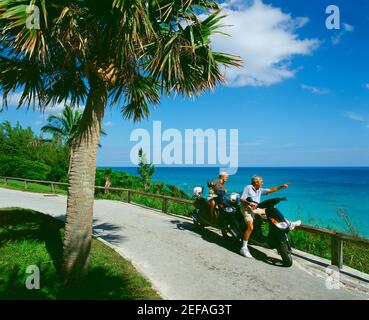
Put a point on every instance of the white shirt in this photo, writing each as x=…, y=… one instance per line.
x=250, y=192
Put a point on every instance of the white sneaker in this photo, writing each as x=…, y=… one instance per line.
x=245, y=252
x=294, y=224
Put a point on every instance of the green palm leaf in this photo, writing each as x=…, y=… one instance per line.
x=139, y=49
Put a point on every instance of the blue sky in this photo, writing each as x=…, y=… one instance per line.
x=302, y=98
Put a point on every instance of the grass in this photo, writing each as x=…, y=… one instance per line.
x=355, y=255
x=31, y=186
x=31, y=238
x=155, y=203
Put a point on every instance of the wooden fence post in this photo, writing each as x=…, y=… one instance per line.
x=25, y=184
x=165, y=205
x=5, y=181
x=52, y=188
x=336, y=251
x=129, y=196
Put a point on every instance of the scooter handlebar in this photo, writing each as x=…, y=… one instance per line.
x=270, y=203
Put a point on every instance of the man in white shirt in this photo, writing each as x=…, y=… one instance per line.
x=253, y=192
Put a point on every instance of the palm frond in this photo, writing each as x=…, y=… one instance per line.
x=25, y=75
x=21, y=24
x=138, y=49
x=140, y=92
x=186, y=62
x=53, y=130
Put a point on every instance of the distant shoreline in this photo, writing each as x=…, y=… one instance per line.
x=251, y=167
x=314, y=194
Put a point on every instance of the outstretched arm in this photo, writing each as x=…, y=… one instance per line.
x=283, y=186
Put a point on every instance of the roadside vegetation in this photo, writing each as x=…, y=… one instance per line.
x=354, y=255
x=23, y=143
x=24, y=231
x=23, y=154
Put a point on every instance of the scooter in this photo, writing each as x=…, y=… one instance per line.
x=232, y=224
x=202, y=215
x=279, y=226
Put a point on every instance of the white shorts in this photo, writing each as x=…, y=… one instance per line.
x=248, y=213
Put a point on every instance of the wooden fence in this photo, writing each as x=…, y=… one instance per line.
x=337, y=238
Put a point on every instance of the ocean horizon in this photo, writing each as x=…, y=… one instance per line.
x=315, y=194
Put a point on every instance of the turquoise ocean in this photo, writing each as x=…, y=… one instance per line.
x=314, y=194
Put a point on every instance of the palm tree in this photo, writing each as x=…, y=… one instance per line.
x=65, y=127
x=130, y=52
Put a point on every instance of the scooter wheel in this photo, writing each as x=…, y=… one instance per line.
x=285, y=253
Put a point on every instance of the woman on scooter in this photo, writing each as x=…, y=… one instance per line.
x=216, y=193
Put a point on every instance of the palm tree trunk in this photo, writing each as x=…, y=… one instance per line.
x=70, y=157
x=78, y=227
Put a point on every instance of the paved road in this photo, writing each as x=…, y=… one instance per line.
x=183, y=263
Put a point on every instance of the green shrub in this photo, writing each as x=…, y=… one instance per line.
x=23, y=168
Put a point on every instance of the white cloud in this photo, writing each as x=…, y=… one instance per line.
x=366, y=85
x=315, y=90
x=338, y=37
x=55, y=109
x=266, y=40
x=247, y=144
x=13, y=100
x=108, y=124
x=37, y=123
x=355, y=116
x=347, y=27
x=236, y=4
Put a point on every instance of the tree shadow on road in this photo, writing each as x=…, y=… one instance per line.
x=228, y=244
x=107, y=231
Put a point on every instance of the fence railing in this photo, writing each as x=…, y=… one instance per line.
x=337, y=238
